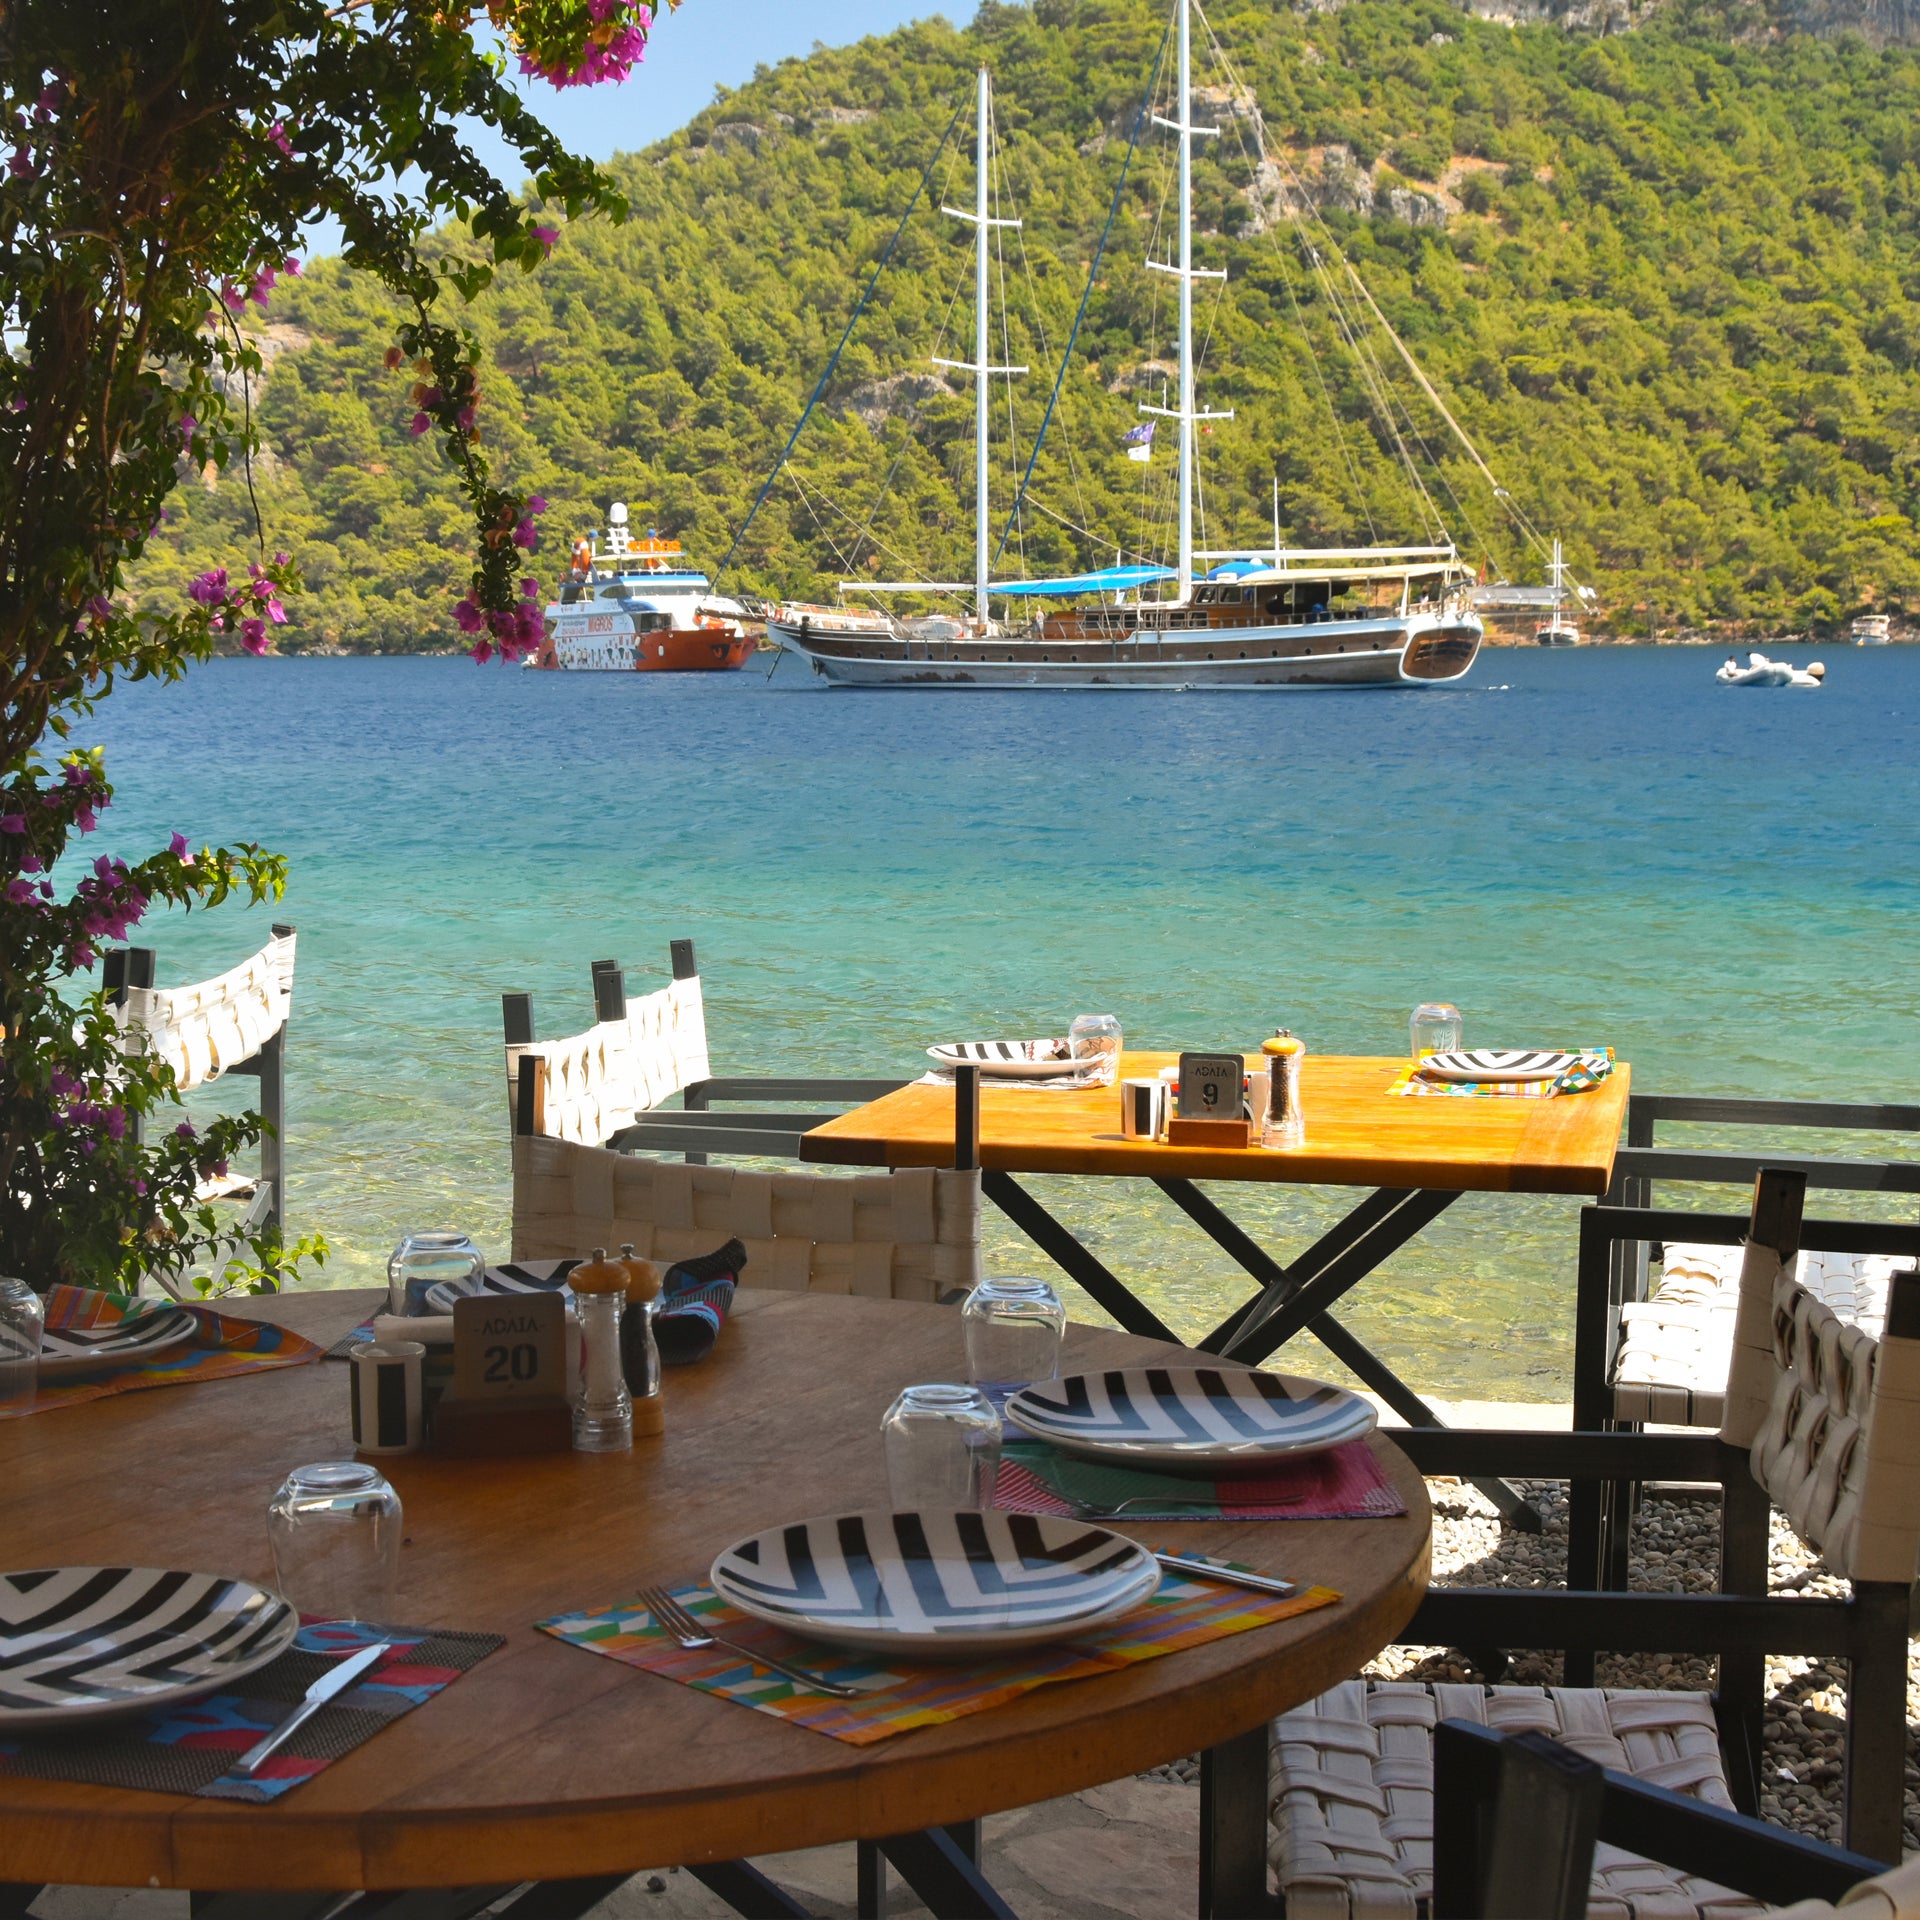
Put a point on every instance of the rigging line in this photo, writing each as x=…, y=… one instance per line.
x=806, y=500
x=1113, y=208
x=1374, y=381
x=853, y=320
x=1140, y=554
x=1304, y=333
x=1440, y=407
x=833, y=506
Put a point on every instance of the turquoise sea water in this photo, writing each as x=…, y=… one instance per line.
x=1596, y=845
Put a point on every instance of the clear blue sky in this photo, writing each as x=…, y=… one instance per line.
x=707, y=43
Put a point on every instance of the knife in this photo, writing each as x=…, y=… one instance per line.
x=1259, y=1582
x=334, y=1680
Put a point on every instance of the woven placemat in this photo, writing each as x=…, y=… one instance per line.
x=192, y=1749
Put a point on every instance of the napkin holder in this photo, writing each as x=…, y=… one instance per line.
x=509, y=1379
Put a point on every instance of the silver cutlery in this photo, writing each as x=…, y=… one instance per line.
x=1118, y=1510
x=335, y=1680
x=1258, y=1582
x=671, y=1615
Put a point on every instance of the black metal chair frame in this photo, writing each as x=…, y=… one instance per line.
x=1741, y=1623
x=1516, y=1819
x=695, y=1130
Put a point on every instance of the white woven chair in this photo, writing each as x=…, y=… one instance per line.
x=234, y=1023
x=1670, y=1367
x=1820, y=1417
x=913, y=1234
x=607, y=1086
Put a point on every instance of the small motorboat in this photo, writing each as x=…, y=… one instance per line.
x=1762, y=672
x=1871, y=630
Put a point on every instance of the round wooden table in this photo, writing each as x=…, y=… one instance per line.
x=547, y=1762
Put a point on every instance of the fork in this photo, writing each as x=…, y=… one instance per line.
x=1083, y=1511
x=677, y=1621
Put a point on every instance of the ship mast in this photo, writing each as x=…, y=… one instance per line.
x=1186, y=273
x=978, y=366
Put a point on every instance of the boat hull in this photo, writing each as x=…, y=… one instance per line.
x=668, y=650
x=1401, y=651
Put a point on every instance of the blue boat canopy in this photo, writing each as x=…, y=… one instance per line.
x=1107, y=580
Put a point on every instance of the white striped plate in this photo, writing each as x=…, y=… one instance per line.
x=1497, y=1063
x=1211, y=1420
x=68, y=1352
x=1009, y=1059
x=86, y=1643
x=943, y=1586
x=535, y=1276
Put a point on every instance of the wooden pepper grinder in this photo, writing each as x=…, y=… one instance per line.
x=639, y=1352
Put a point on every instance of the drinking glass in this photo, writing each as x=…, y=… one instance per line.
x=1013, y=1330
x=335, y=1532
x=22, y=1321
x=1096, y=1036
x=1434, y=1028
x=423, y=1260
x=943, y=1449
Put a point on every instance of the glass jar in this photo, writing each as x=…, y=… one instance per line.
x=1095, y=1037
x=1435, y=1027
x=1013, y=1331
x=23, y=1320
x=335, y=1533
x=1285, y=1122
x=943, y=1449
x=603, y=1414
x=424, y=1260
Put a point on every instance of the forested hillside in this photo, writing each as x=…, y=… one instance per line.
x=1668, y=281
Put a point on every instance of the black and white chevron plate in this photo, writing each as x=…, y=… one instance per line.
x=1497, y=1063
x=530, y=1276
x=84, y=1643
x=1212, y=1420
x=939, y=1585
x=1009, y=1059
x=68, y=1352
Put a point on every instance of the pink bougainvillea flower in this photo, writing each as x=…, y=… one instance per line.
x=481, y=651
x=231, y=297
x=464, y=419
x=276, y=613
x=419, y=424
x=116, y=1123
x=18, y=403
x=32, y=863
x=184, y=1131
x=20, y=892
x=13, y=823
x=526, y=535
x=85, y=820
x=177, y=846
x=189, y=426
x=210, y=588
x=264, y=283
x=291, y=268
x=546, y=235
x=21, y=164
x=537, y=503
x=253, y=636
x=467, y=617
x=277, y=137
x=529, y=589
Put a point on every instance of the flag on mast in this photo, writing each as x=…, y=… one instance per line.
x=1139, y=440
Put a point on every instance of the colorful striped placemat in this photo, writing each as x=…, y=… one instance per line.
x=225, y=1345
x=897, y=1696
x=1595, y=1064
x=193, y=1749
x=1340, y=1483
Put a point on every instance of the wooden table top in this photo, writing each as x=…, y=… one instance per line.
x=1358, y=1135
x=547, y=1761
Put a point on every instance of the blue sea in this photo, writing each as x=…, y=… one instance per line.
x=1591, y=846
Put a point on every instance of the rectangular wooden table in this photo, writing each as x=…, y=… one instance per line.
x=1417, y=1154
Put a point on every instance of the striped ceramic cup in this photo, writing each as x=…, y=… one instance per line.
x=389, y=1408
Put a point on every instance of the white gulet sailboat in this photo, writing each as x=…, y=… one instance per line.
x=1268, y=618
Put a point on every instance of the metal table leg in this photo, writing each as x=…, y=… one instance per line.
x=1233, y=1828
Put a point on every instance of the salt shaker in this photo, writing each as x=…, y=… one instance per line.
x=603, y=1415
x=1284, y=1124
x=639, y=1351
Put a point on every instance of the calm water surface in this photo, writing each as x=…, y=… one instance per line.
x=1597, y=845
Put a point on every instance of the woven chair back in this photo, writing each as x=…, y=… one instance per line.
x=592, y=1084
x=203, y=1030
x=913, y=1234
x=1831, y=1415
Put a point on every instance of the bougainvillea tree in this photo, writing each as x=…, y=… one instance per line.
x=159, y=161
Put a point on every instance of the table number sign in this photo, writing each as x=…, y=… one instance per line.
x=1212, y=1103
x=509, y=1391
